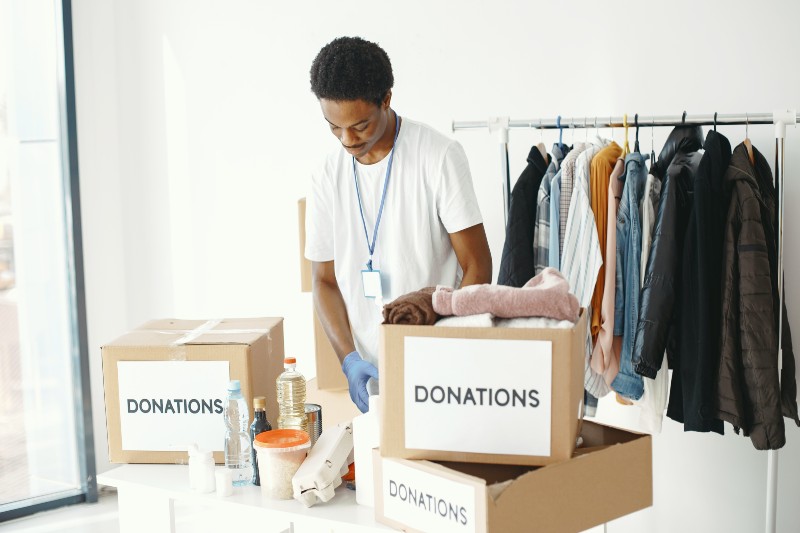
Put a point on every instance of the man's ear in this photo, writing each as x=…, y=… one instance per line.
x=387, y=100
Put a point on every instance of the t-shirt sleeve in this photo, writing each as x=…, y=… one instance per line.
x=455, y=199
x=319, y=218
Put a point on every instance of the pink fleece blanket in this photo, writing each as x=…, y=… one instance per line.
x=545, y=295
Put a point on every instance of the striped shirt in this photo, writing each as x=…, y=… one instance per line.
x=555, y=205
x=541, y=234
x=582, y=257
x=567, y=180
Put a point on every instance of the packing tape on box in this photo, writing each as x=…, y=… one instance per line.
x=177, y=349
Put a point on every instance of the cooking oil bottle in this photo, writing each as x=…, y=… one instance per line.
x=291, y=386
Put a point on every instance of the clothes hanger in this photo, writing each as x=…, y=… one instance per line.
x=585, y=131
x=715, y=122
x=560, y=131
x=652, y=149
x=636, y=124
x=626, y=149
x=540, y=145
x=747, y=143
x=612, y=128
x=572, y=130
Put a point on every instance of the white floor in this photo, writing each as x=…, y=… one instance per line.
x=100, y=517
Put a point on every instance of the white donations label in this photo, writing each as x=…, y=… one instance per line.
x=463, y=395
x=425, y=501
x=168, y=404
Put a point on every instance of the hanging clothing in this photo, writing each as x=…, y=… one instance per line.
x=517, y=263
x=658, y=296
x=749, y=392
x=605, y=356
x=653, y=402
x=541, y=235
x=626, y=301
x=699, y=320
x=554, y=258
x=652, y=195
x=566, y=185
x=600, y=173
x=582, y=258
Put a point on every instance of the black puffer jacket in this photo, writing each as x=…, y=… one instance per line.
x=693, y=396
x=676, y=166
x=516, y=264
x=749, y=394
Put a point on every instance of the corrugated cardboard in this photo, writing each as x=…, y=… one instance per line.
x=253, y=347
x=568, y=352
x=558, y=498
x=337, y=407
x=305, y=264
x=329, y=368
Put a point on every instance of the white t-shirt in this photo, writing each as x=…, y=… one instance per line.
x=430, y=195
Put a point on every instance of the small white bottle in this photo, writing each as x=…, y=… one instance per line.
x=201, y=470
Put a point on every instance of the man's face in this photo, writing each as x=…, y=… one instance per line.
x=356, y=123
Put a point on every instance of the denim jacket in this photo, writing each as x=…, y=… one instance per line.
x=629, y=245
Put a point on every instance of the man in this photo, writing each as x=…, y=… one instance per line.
x=390, y=212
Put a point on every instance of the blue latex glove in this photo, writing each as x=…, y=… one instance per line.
x=358, y=373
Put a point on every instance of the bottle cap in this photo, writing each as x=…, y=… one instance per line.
x=234, y=385
x=259, y=402
x=196, y=452
x=290, y=361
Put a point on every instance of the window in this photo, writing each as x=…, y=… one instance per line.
x=46, y=456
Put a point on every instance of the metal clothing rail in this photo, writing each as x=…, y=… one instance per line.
x=780, y=119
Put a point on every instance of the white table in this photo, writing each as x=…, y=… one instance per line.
x=147, y=495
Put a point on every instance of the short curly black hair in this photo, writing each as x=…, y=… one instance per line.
x=351, y=68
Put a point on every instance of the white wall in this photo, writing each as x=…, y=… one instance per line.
x=198, y=133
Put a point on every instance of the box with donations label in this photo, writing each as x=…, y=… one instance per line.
x=166, y=384
x=484, y=395
x=420, y=496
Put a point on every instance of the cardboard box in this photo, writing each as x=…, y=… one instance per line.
x=337, y=407
x=561, y=497
x=483, y=395
x=165, y=384
x=329, y=369
x=305, y=264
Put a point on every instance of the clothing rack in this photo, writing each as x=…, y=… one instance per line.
x=780, y=119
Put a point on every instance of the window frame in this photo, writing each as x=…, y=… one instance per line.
x=79, y=350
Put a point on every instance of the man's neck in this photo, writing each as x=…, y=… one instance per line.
x=384, y=145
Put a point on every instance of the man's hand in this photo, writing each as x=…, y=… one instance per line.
x=358, y=372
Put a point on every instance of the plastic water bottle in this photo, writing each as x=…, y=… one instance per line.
x=291, y=387
x=237, y=439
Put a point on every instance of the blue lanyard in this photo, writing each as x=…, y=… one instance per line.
x=371, y=247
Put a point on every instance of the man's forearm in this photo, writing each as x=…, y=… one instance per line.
x=474, y=275
x=332, y=313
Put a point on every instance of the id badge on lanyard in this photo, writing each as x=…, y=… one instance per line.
x=370, y=278
x=371, y=281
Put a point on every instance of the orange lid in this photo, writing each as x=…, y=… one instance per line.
x=290, y=361
x=351, y=473
x=281, y=438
